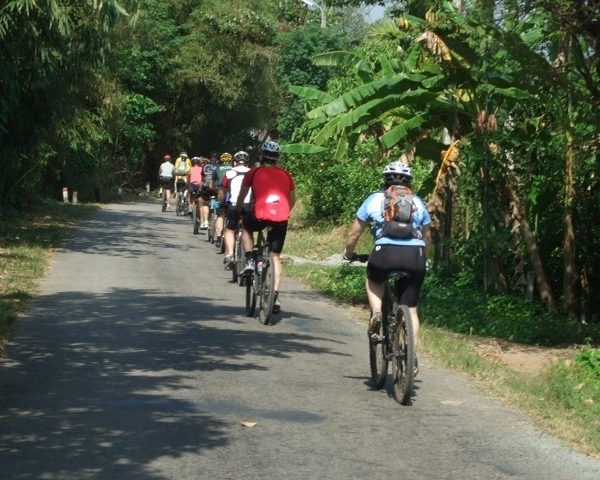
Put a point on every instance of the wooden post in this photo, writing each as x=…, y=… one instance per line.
x=65, y=195
x=530, y=279
x=74, y=197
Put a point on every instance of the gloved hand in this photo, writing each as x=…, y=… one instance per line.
x=351, y=257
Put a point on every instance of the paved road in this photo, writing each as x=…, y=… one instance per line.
x=136, y=361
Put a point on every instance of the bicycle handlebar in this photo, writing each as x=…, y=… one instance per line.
x=356, y=257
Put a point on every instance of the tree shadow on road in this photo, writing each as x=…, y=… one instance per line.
x=98, y=385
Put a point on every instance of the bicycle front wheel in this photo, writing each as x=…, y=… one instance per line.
x=195, y=218
x=403, y=357
x=267, y=293
x=178, y=204
x=212, y=222
x=236, y=265
x=250, y=296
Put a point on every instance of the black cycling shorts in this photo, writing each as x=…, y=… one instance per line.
x=231, y=217
x=277, y=234
x=165, y=182
x=385, y=259
x=206, y=193
x=194, y=189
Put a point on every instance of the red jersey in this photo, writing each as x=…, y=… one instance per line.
x=271, y=187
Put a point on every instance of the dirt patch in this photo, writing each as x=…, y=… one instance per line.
x=523, y=358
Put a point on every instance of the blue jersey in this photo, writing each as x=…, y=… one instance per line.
x=372, y=211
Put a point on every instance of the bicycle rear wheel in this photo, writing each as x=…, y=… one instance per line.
x=195, y=218
x=212, y=223
x=267, y=292
x=179, y=207
x=250, y=296
x=378, y=356
x=236, y=265
x=164, y=200
x=239, y=260
x=403, y=358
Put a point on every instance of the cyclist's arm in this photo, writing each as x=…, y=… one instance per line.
x=426, y=232
x=292, y=199
x=241, y=196
x=356, y=230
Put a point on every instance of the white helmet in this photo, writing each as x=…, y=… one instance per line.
x=241, y=157
x=270, y=150
x=397, y=172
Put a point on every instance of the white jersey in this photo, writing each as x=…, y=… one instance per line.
x=166, y=169
x=233, y=181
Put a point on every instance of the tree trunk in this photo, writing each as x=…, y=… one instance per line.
x=534, y=255
x=569, y=268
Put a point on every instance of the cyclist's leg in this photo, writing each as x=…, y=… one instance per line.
x=375, y=294
x=377, y=272
x=220, y=221
x=185, y=189
x=181, y=188
x=410, y=288
x=276, y=238
x=250, y=225
x=229, y=233
x=204, y=207
x=168, y=187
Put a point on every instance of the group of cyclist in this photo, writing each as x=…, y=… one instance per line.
x=264, y=195
x=261, y=196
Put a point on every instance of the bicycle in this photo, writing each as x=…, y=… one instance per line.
x=212, y=220
x=261, y=284
x=195, y=210
x=395, y=342
x=182, y=202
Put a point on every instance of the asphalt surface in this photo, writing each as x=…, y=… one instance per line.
x=136, y=361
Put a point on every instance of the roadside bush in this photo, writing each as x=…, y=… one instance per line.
x=589, y=361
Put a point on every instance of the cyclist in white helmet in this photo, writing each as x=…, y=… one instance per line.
x=229, y=191
x=392, y=252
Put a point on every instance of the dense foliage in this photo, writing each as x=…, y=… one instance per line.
x=499, y=100
x=494, y=105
